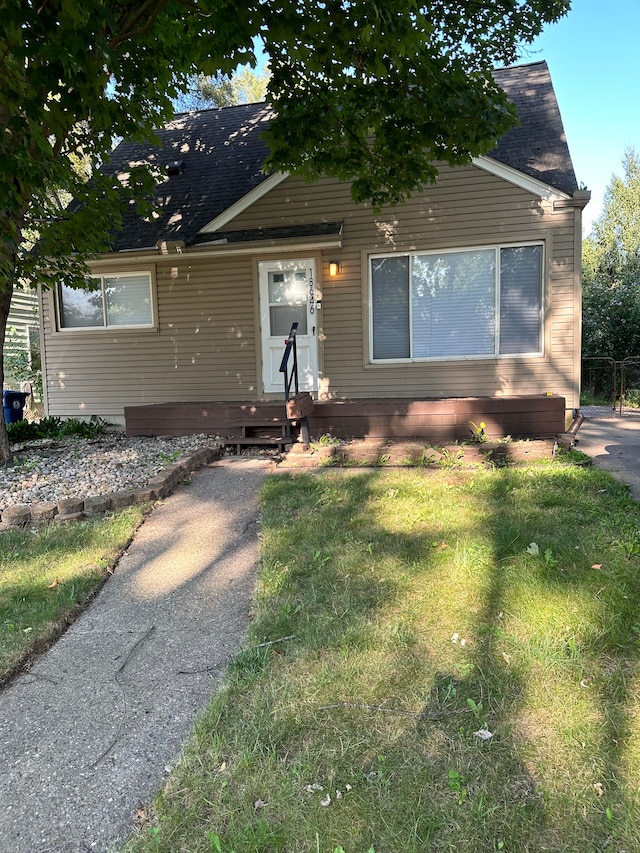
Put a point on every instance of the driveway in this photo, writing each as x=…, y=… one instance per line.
x=613, y=442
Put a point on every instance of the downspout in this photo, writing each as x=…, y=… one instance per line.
x=577, y=202
x=568, y=439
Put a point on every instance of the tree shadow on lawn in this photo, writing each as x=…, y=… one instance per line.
x=355, y=685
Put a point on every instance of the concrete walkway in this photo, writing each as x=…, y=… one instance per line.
x=613, y=442
x=88, y=735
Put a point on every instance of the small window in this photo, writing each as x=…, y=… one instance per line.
x=110, y=301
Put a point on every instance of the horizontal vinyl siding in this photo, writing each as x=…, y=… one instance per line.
x=468, y=207
x=203, y=350
x=205, y=347
x=22, y=316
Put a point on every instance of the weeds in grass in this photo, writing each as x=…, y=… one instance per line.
x=168, y=458
x=478, y=433
x=443, y=685
x=451, y=458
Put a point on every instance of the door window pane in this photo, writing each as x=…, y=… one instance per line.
x=282, y=316
x=284, y=287
x=287, y=302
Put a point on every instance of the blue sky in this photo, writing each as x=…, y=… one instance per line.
x=594, y=57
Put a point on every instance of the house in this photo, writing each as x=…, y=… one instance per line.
x=463, y=304
x=22, y=341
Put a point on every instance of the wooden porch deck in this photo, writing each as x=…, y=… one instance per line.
x=399, y=418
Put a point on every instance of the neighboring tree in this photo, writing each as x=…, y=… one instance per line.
x=368, y=91
x=611, y=270
x=244, y=87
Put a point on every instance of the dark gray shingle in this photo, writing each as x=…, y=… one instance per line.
x=537, y=146
x=223, y=155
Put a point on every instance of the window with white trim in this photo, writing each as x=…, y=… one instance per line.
x=457, y=304
x=110, y=301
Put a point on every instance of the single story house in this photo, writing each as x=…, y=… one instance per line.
x=461, y=305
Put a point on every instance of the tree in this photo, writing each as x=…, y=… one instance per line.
x=368, y=91
x=244, y=87
x=611, y=270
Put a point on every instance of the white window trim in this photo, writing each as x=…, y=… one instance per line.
x=152, y=326
x=410, y=254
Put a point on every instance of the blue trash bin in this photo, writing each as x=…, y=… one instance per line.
x=13, y=405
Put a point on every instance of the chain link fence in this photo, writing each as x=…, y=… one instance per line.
x=616, y=384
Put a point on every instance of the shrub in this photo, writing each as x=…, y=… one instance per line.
x=52, y=427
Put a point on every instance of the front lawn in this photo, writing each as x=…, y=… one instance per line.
x=47, y=576
x=439, y=661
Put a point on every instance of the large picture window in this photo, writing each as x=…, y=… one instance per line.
x=471, y=303
x=109, y=301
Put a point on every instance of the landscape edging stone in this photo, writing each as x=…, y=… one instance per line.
x=77, y=509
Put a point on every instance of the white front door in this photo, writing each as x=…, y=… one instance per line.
x=288, y=295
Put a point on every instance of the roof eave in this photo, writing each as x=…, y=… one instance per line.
x=519, y=179
x=243, y=203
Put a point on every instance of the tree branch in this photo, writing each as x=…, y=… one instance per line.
x=128, y=28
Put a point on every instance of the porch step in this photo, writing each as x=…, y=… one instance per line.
x=261, y=434
x=249, y=429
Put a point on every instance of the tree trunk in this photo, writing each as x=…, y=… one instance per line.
x=6, y=291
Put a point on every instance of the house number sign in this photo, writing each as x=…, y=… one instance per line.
x=312, y=294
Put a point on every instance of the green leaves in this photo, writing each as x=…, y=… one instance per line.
x=611, y=297
x=366, y=92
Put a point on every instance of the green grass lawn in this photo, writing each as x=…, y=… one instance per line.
x=47, y=575
x=442, y=660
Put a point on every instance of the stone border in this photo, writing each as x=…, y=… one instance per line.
x=77, y=509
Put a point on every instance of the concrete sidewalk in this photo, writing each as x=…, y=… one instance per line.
x=89, y=734
x=613, y=442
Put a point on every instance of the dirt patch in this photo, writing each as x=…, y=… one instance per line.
x=382, y=453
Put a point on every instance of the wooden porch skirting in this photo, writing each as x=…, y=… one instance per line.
x=398, y=418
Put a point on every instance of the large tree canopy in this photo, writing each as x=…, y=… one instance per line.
x=611, y=270
x=370, y=91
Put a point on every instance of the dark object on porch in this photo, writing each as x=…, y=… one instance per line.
x=436, y=420
x=300, y=406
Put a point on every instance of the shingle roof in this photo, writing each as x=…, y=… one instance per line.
x=223, y=155
x=537, y=146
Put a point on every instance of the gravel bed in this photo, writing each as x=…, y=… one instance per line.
x=82, y=468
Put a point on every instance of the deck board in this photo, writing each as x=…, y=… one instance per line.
x=451, y=419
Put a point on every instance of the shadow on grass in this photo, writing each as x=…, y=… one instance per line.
x=404, y=617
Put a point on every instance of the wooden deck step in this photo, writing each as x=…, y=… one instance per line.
x=260, y=433
x=266, y=429
x=239, y=441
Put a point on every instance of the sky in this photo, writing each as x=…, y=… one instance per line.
x=593, y=55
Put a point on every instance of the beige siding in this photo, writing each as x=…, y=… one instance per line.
x=22, y=325
x=23, y=315
x=203, y=347
x=468, y=207
x=207, y=346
